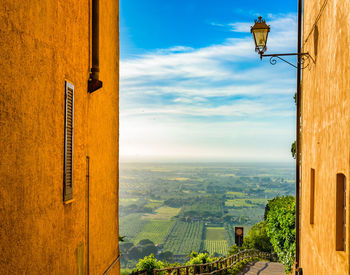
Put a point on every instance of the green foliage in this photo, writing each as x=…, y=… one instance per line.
x=234, y=249
x=149, y=263
x=280, y=221
x=201, y=258
x=293, y=150
x=122, y=238
x=165, y=256
x=257, y=238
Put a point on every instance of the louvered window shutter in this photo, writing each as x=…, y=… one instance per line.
x=68, y=143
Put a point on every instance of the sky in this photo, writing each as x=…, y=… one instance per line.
x=192, y=88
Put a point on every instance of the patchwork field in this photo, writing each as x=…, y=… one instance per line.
x=238, y=203
x=155, y=231
x=163, y=213
x=184, y=237
x=132, y=225
x=215, y=233
x=219, y=247
x=154, y=203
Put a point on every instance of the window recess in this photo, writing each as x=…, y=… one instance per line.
x=68, y=143
x=312, y=196
x=340, y=234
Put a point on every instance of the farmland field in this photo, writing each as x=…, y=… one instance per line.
x=215, y=233
x=184, y=237
x=219, y=247
x=154, y=231
x=163, y=213
x=132, y=225
x=176, y=208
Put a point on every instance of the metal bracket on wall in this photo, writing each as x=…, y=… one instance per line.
x=304, y=59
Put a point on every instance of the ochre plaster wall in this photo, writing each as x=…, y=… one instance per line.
x=325, y=132
x=44, y=43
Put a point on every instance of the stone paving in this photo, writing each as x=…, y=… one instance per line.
x=263, y=268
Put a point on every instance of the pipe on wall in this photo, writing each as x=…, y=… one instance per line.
x=94, y=83
x=298, y=269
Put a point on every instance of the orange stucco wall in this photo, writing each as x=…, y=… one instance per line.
x=325, y=133
x=42, y=44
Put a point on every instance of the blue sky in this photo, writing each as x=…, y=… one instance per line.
x=193, y=89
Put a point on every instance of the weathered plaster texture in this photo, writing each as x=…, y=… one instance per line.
x=325, y=132
x=42, y=44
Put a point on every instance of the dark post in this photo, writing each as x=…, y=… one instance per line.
x=298, y=145
x=239, y=236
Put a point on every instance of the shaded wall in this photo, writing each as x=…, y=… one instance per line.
x=44, y=43
x=325, y=133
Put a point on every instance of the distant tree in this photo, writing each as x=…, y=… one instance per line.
x=124, y=247
x=135, y=252
x=165, y=256
x=145, y=242
x=148, y=249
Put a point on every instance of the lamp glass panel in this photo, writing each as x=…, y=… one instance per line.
x=260, y=36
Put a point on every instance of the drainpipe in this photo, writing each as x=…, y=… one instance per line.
x=94, y=83
x=298, y=270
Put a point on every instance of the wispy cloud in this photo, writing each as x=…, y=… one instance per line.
x=224, y=83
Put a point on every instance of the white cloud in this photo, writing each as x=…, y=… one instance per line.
x=209, y=102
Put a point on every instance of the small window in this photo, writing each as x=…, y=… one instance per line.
x=312, y=196
x=68, y=143
x=340, y=236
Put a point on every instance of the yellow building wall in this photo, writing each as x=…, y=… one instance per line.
x=325, y=133
x=42, y=44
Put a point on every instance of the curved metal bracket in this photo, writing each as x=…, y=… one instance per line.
x=304, y=59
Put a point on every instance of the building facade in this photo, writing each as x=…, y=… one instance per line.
x=325, y=139
x=59, y=142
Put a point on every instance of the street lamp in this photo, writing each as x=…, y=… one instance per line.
x=260, y=32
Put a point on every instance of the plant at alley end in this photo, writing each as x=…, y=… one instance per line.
x=280, y=221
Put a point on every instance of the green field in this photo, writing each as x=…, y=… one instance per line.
x=131, y=226
x=163, y=213
x=154, y=231
x=216, y=246
x=127, y=201
x=235, y=194
x=154, y=203
x=215, y=233
x=184, y=237
x=238, y=203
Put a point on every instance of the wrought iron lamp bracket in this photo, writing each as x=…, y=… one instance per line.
x=304, y=58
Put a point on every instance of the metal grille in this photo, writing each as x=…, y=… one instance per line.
x=68, y=143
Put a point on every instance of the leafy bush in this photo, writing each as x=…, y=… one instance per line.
x=280, y=220
x=234, y=250
x=149, y=263
x=201, y=258
x=257, y=238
